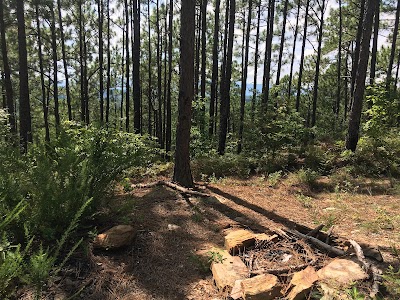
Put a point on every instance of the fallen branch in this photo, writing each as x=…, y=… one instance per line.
x=171, y=185
x=371, y=269
x=318, y=243
x=328, y=234
x=315, y=231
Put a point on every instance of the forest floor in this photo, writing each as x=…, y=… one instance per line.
x=163, y=261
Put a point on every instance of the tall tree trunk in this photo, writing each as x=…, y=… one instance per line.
x=296, y=31
x=375, y=44
x=346, y=89
x=136, y=68
x=159, y=78
x=55, y=68
x=108, y=62
x=64, y=58
x=197, y=61
x=122, y=79
x=339, y=64
x=127, y=100
x=7, y=73
x=285, y=8
x=86, y=80
x=303, y=46
x=393, y=49
x=268, y=54
x=224, y=56
x=149, y=96
x=168, y=130
x=182, y=171
x=355, y=114
x=44, y=98
x=396, y=80
x=225, y=93
x=81, y=62
x=165, y=83
x=214, y=77
x=356, y=54
x=24, y=101
x=203, y=65
x=256, y=57
x=244, y=79
x=101, y=59
x=317, y=67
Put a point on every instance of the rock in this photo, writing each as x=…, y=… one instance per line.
x=342, y=272
x=173, y=227
x=116, y=237
x=237, y=292
x=261, y=287
x=302, y=282
x=237, y=240
x=228, y=270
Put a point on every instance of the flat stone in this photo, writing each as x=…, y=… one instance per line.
x=302, y=282
x=228, y=270
x=116, y=237
x=342, y=272
x=237, y=240
x=261, y=287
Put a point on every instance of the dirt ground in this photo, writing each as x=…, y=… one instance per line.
x=162, y=262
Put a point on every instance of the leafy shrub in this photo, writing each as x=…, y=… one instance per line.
x=307, y=177
x=50, y=189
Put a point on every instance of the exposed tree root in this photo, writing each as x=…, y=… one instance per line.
x=370, y=268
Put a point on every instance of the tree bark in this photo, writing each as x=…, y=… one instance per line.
x=225, y=93
x=244, y=78
x=9, y=93
x=182, y=171
x=393, y=49
x=302, y=57
x=355, y=114
x=24, y=101
x=214, y=77
x=159, y=92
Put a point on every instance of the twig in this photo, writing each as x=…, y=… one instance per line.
x=318, y=243
x=328, y=234
x=315, y=231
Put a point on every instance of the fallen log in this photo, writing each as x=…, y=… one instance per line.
x=318, y=243
x=173, y=186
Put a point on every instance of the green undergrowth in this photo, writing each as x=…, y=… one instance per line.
x=47, y=193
